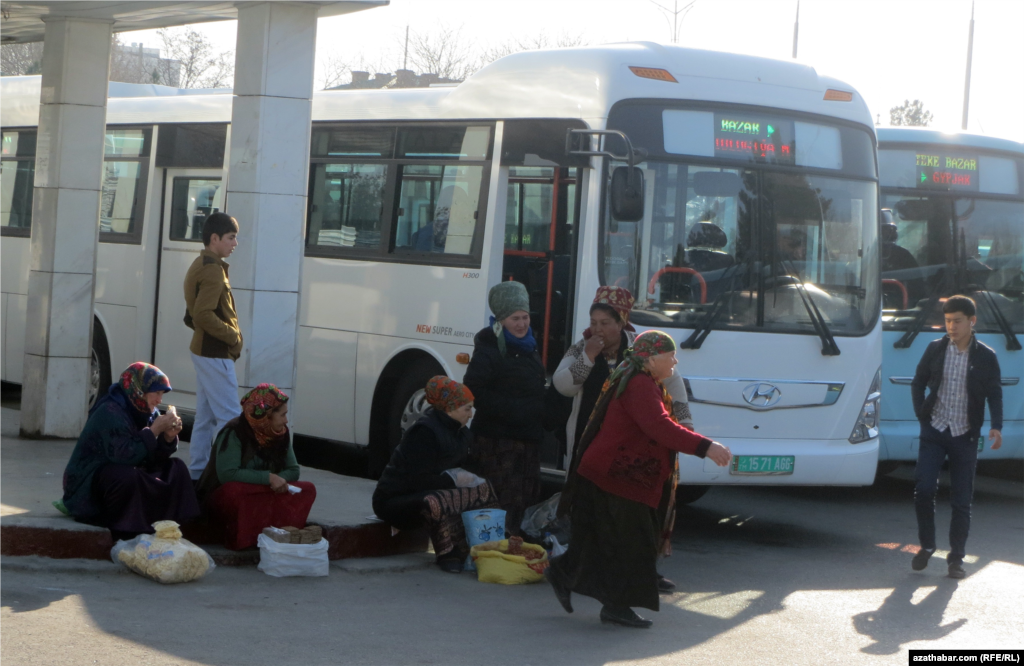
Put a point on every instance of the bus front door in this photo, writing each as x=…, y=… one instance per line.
x=190, y=196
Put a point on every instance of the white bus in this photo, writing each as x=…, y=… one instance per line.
x=953, y=207
x=751, y=236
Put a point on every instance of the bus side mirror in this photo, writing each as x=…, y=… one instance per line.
x=627, y=194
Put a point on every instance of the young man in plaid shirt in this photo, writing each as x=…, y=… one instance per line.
x=960, y=373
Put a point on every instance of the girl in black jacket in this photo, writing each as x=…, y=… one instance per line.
x=424, y=483
x=507, y=377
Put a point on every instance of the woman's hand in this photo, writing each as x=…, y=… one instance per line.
x=163, y=423
x=277, y=484
x=719, y=454
x=173, y=431
x=594, y=347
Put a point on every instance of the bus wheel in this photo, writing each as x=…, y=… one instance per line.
x=409, y=401
x=689, y=494
x=99, y=364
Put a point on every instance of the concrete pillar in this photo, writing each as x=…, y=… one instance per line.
x=268, y=172
x=65, y=226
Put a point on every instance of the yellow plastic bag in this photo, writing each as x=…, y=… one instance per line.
x=495, y=565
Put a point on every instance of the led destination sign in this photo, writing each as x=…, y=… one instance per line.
x=760, y=139
x=946, y=172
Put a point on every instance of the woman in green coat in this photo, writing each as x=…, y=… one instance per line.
x=252, y=479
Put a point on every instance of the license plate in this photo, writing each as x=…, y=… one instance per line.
x=757, y=465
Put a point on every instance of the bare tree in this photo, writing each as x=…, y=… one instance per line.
x=21, y=59
x=910, y=113
x=442, y=52
x=131, y=65
x=541, y=41
x=333, y=71
x=200, y=65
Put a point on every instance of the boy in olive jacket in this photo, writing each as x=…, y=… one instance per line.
x=216, y=338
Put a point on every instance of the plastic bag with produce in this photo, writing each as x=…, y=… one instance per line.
x=165, y=556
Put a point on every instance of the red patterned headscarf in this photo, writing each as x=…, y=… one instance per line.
x=447, y=395
x=618, y=299
x=256, y=407
x=140, y=378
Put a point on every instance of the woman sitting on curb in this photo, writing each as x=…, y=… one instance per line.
x=245, y=483
x=424, y=483
x=121, y=475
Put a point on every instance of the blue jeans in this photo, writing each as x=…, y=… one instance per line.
x=962, y=452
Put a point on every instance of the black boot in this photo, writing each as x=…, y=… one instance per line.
x=561, y=591
x=665, y=586
x=624, y=616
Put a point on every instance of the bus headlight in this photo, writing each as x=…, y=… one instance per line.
x=867, y=422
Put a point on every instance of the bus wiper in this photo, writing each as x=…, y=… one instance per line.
x=1012, y=344
x=828, y=342
x=700, y=333
x=907, y=338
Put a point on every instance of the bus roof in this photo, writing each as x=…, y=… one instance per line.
x=583, y=82
x=962, y=139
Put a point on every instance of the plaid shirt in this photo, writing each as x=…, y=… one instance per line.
x=951, y=408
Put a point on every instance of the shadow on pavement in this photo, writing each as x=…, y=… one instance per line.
x=899, y=621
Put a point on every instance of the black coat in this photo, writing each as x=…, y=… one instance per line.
x=508, y=390
x=434, y=443
x=983, y=382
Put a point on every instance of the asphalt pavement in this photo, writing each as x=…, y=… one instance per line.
x=765, y=576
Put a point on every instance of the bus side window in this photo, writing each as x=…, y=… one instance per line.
x=438, y=208
x=346, y=205
x=125, y=162
x=19, y=166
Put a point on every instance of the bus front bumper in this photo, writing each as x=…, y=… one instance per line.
x=814, y=463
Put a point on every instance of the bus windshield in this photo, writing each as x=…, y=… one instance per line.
x=939, y=245
x=745, y=243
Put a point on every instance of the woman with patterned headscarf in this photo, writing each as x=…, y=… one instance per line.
x=508, y=379
x=582, y=373
x=424, y=484
x=248, y=482
x=121, y=475
x=615, y=485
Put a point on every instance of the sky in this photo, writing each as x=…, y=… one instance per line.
x=889, y=50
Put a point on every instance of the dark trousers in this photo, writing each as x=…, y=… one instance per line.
x=962, y=452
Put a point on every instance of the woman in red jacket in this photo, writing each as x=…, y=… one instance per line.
x=619, y=468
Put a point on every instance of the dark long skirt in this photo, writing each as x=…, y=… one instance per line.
x=513, y=468
x=613, y=549
x=246, y=508
x=131, y=498
x=441, y=512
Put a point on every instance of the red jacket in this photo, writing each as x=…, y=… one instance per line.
x=632, y=455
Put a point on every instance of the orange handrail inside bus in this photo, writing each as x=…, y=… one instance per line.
x=680, y=269
x=903, y=290
x=526, y=253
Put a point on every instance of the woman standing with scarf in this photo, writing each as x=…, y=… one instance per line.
x=245, y=483
x=507, y=377
x=616, y=483
x=121, y=475
x=582, y=373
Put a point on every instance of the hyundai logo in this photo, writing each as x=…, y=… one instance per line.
x=762, y=394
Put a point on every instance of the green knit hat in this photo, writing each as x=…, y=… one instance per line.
x=507, y=298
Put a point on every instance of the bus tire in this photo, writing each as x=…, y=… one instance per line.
x=408, y=395
x=99, y=364
x=689, y=494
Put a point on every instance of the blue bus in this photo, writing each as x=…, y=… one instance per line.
x=952, y=223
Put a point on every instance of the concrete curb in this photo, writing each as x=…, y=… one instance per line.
x=392, y=564
x=36, y=563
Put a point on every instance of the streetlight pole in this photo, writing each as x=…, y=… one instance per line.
x=967, y=76
x=796, y=28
